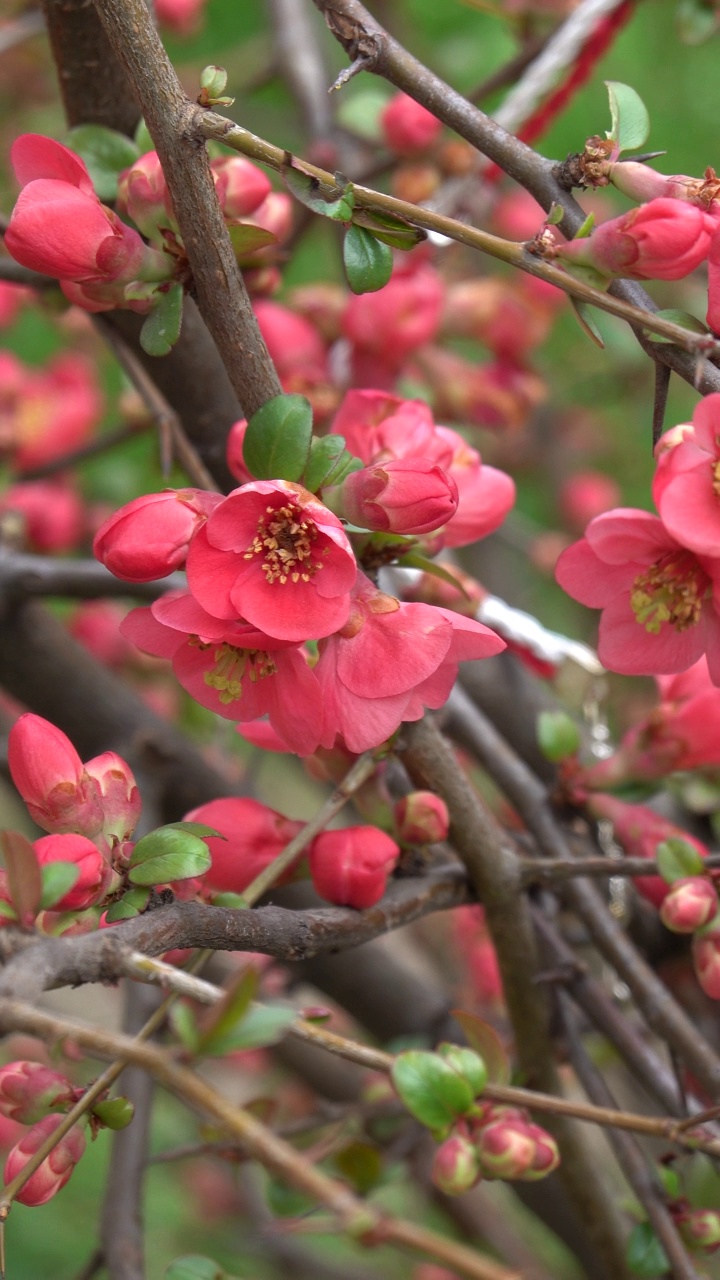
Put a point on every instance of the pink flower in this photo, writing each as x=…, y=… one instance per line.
x=59, y=226
x=293, y=342
x=512, y=1148
x=656, y=596
x=455, y=1166
x=389, y=662
x=52, y=514
x=254, y=836
x=95, y=872
x=587, y=494
x=350, y=867
x=149, y=537
x=55, y=1170
x=664, y=239
x=48, y=412
x=407, y=127
x=485, y=494
x=143, y=196
x=506, y=316
x=499, y=395
x=51, y=779
x=687, y=480
x=421, y=817
x=409, y=495
x=241, y=187
x=690, y=904
x=182, y=17
x=232, y=668
x=271, y=553
x=396, y=320
x=29, y=1091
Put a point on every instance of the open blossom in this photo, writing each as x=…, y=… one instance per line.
x=254, y=836
x=389, y=662
x=272, y=554
x=657, y=597
x=59, y=226
x=232, y=668
x=686, y=486
x=148, y=538
x=664, y=239
x=393, y=322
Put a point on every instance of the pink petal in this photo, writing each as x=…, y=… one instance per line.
x=588, y=579
x=34, y=156
x=625, y=645
x=628, y=534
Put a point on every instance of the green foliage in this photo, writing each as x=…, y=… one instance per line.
x=161, y=328
x=645, y=1254
x=431, y=1090
x=132, y=903
x=558, y=735
x=630, y=122
x=169, y=853
x=58, y=879
x=368, y=262
x=114, y=1113
x=678, y=859
x=106, y=153
x=487, y=1043
x=308, y=191
x=678, y=316
x=278, y=437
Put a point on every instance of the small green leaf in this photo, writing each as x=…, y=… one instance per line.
x=262, y=1025
x=368, y=263
x=195, y=829
x=58, y=879
x=677, y=859
x=7, y=911
x=586, y=322
x=228, y=1012
x=558, y=735
x=184, y=1024
x=114, y=1113
x=396, y=232
x=645, y=1254
x=161, y=329
x=630, y=122
x=555, y=216
x=233, y=901
x=347, y=462
x=106, y=153
x=413, y=560
x=132, y=904
x=467, y=1063
x=586, y=228
x=486, y=1041
x=432, y=1092
x=23, y=873
x=278, y=437
x=678, y=316
x=361, y=1165
x=325, y=453
x=194, y=1267
x=308, y=191
x=168, y=854
x=670, y=1180
x=246, y=238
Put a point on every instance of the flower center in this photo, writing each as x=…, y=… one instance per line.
x=232, y=666
x=284, y=540
x=672, y=591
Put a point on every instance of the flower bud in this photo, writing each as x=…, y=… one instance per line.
x=149, y=537
x=115, y=1113
x=421, y=818
x=664, y=239
x=455, y=1166
x=241, y=187
x=143, y=196
x=94, y=870
x=120, y=798
x=706, y=959
x=506, y=1148
x=407, y=127
x=50, y=777
x=254, y=835
x=408, y=495
x=30, y=1091
x=350, y=867
x=700, y=1229
x=55, y=1170
x=691, y=903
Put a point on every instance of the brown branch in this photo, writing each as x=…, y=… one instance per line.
x=93, y=85
x=553, y=871
x=23, y=574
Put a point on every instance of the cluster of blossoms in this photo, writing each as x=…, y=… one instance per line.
x=271, y=567
x=60, y=227
x=498, y=1142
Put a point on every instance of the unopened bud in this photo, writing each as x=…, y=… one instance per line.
x=467, y=1063
x=30, y=1091
x=55, y=1170
x=700, y=1229
x=455, y=1166
x=212, y=85
x=690, y=904
x=421, y=818
x=114, y=1113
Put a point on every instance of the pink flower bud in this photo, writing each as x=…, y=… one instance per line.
x=50, y=777
x=640, y=182
x=409, y=495
x=241, y=187
x=54, y=1171
x=690, y=904
x=149, y=537
x=547, y=1156
x=254, y=835
x=455, y=1166
x=700, y=1229
x=640, y=830
x=120, y=798
x=29, y=1091
x=513, y=1148
x=664, y=239
x=421, y=818
x=234, y=452
x=143, y=195
x=350, y=867
x=407, y=127
x=182, y=17
x=706, y=959
x=95, y=872
x=398, y=319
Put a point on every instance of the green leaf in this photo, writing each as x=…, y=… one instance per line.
x=361, y=1165
x=396, y=232
x=262, y=1025
x=467, y=1063
x=233, y=901
x=308, y=191
x=195, y=829
x=184, y=1024
x=346, y=463
x=555, y=216
x=645, y=1254
x=677, y=859
x=414, y=560
x=670, y=1180
x=228, y=1012
x=587, y=324
x=432, y=1092
x=161, y=329
x=360, y=111
x=586, y=228
x=325, y=453
x=486, y=1041
x=246, y=238
x=194, y=1267
x=106, y=153
x=558, y=735
x=114, y=1113
x=368, y=263
x=58, y=879
x=168, y=854
x=132, y=904
x=630, y=122
x=23, y=873
x=278, y=437
x=7, y=911
x=678, y=316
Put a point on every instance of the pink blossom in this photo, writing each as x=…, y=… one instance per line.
x=407, y=127
x=506, y=316
x=119, y=796
x=51, y=779
x=690, y=904
x=292, y=341
x=408, y=495
x=485, y=494
x=272, y=554
x=149, y=537
x=91, y=884
x=59, y=226
x=351, y=867
x=706, y=958
x=656, y=596
x=143, y=196
x=421, y=817
x=241, y=187
x=585, y=495
x=55, y=1170
x=664, y=239
x=51, y=511
x=232, y=668
x=396, y=320
x=48, y=412
x=254, y=836
x=455, y=1167
x=182, y=17
x=500, y=395
x=686, y=486
x=389, y=662
x=641, y=182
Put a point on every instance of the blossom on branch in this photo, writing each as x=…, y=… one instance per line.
x=664, y=239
